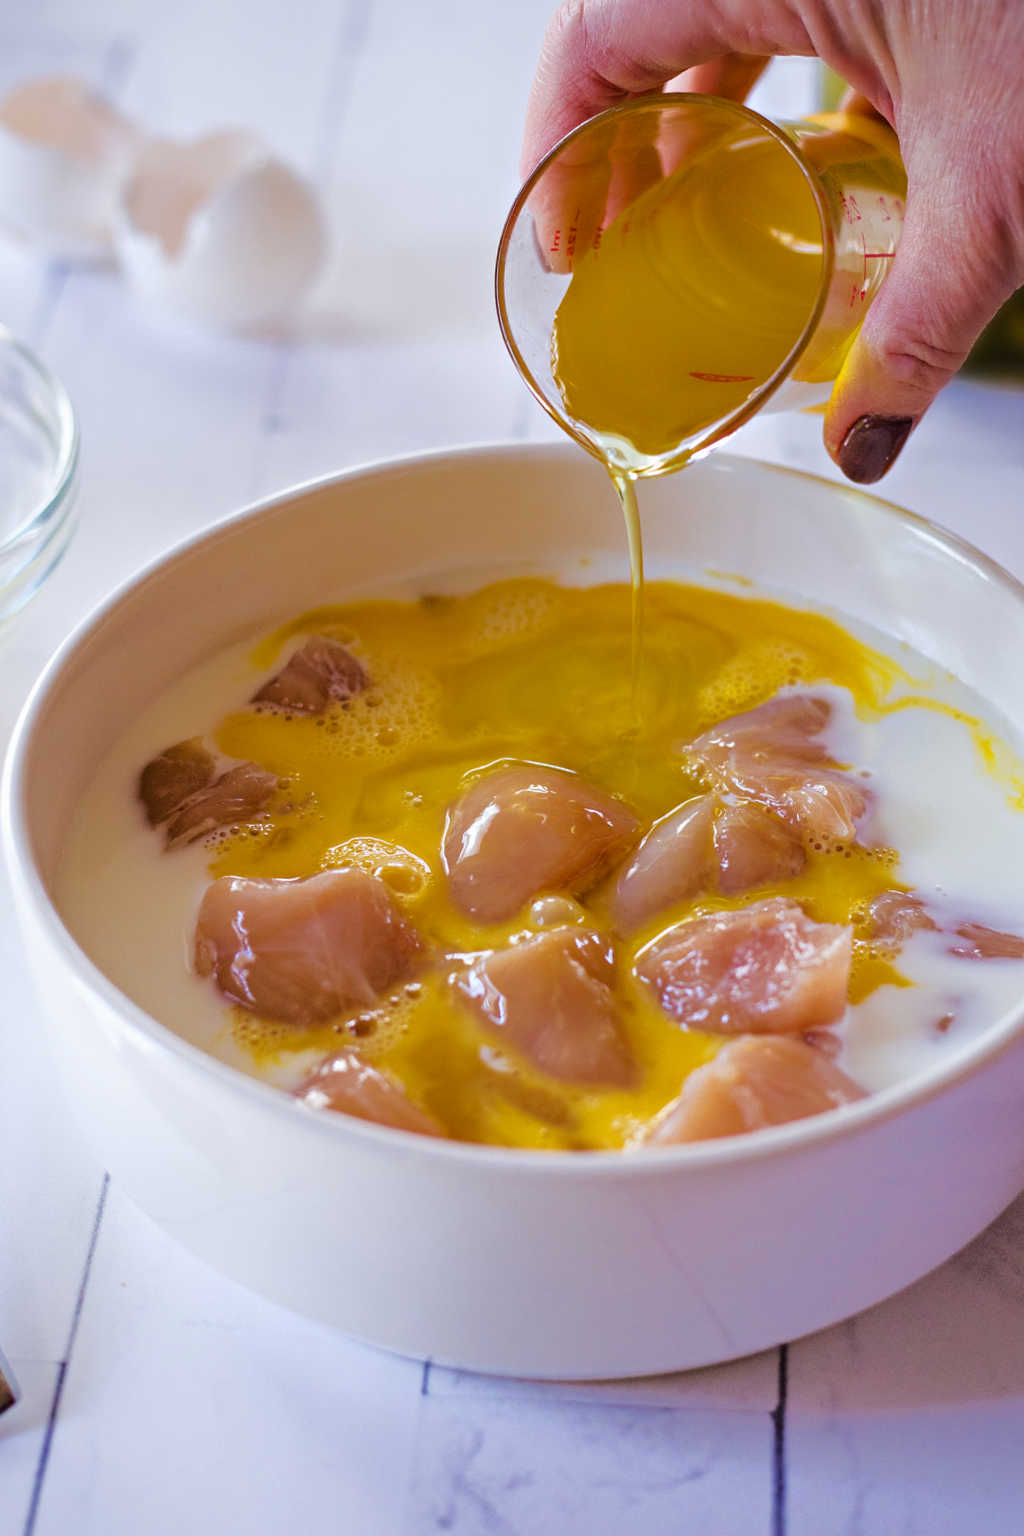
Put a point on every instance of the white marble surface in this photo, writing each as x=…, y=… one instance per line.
x=158, y=1397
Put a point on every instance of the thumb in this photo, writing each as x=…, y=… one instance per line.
x=959, y=257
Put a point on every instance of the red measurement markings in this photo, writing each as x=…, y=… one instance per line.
x=723, y=378
x=574, y=227
x=891, y=208
x=860, y=289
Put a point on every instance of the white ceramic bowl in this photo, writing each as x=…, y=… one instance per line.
x=519, y=1262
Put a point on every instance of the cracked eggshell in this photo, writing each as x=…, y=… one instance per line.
x=63, y=154
x=220, y=230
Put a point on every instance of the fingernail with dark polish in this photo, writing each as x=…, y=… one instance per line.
x=872, y=445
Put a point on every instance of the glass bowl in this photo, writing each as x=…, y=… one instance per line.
x=38, y=473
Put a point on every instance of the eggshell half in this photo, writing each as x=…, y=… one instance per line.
x=63, y=154
x=221, y=230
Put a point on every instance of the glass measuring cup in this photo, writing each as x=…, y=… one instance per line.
x=677, y=262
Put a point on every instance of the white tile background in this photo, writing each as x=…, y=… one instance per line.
x=158, y=1397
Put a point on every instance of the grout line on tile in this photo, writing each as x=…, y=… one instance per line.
x=55, y=278
x=272, y=416
x=62, y=1369
x=779, y=1447
x=118, y=60
x=353, y=31
x=350, y=42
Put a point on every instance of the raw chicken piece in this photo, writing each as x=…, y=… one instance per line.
x=301, y=951
x=173, y=776
x=182, y=789
x=350, y=1085
x=674, y=861
x=772, y=754
x=823, y=1040
x=896, y=915
x=523, y=829
x=756, y=1081
x=787, y=726
x=976, y=942
x=699, y=846
x=763, y=969
x=550, y=997
x=234, y=798
x=753, y=848
x=321, y=672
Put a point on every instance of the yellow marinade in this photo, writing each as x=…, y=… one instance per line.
x=532, y=670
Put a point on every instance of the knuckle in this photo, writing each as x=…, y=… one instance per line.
x=573, y=29
x=921, y=366
x=567, y=20
x=573, y=35
x=605, y=54
x=960, y=257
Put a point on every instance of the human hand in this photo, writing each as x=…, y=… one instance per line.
x=945, y=73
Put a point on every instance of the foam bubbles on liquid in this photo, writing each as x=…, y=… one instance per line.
x=752, y=675
x=374, y=1031
x=401, y=871
x=510, y=614
x=402, y=703
x=400, y=707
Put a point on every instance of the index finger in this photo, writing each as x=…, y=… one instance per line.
x=598, y=52
x=568, y=200
x=589, y=182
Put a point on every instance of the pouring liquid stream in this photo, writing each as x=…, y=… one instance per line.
x=689, y=300
x=625, y=489
x=686, y=309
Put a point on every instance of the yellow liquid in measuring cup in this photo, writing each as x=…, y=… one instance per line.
x=692, y=298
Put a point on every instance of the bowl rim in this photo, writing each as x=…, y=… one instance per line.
x=67, y=446
x=876, y=1108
